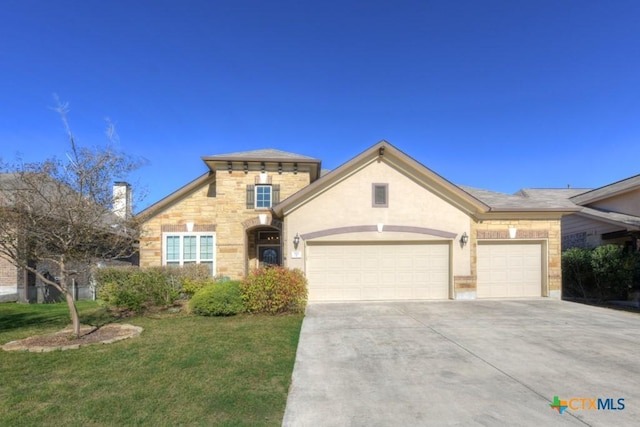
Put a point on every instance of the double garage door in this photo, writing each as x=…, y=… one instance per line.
x=507, y=270
x=390, y=271
x=418, y=271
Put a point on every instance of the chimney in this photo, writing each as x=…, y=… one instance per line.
x=122, y=199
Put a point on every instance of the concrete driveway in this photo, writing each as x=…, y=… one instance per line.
x=465, y=363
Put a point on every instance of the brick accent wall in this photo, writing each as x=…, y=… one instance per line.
x=222, y=209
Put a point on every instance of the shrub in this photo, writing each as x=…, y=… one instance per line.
x=136, y=289
x=577, y=274
x=604, y=273
x=217, y=299
x=191, y=286
x=275, y=290
x=613, y=271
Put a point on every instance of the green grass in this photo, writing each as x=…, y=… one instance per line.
x=182, y=370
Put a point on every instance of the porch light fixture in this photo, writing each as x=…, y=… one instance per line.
x=246, y=167
x=464, y=239
x=229, y=167
x=296, y=241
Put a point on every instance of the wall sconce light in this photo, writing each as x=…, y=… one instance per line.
x=229, y=167
x=464, y=239
x=280, y=168
x=296, y=241
x=246, y=167
x=295, y=169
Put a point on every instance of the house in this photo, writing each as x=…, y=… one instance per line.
x=47, y=201
x=380, y=227
x=609, y=214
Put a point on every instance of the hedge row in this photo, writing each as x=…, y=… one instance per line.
x=604, y=273
x=266, y=290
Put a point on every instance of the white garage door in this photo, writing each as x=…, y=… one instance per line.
x=349, y=271
x=509, y=270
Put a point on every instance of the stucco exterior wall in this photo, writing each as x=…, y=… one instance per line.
x=349, y=204
x=219, y=206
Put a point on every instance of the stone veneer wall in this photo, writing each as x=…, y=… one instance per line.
x=8, y=274
x=547, y=230
x=224, y=210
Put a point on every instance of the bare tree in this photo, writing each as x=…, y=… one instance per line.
x=60, y=212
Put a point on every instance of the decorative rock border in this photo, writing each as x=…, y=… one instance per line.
x=115, y=332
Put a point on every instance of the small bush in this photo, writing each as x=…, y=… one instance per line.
x=275, y=290
x=217, y=299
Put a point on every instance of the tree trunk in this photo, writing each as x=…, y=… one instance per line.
x=74, y=313
x=68, y=293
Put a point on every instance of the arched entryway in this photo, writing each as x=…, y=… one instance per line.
x=264, y=243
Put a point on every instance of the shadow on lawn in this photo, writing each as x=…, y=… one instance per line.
x=15, y=316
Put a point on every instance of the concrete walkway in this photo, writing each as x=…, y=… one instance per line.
x=484, y=363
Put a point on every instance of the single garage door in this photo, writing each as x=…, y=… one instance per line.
x=393, y=271
x=509, y=270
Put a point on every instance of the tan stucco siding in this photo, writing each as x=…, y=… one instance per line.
x=546, y=231
x=225, y=209
x=627, y=203
x=349, y=204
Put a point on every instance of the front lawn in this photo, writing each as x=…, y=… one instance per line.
x=182, y=370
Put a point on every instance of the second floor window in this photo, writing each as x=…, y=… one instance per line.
x=263, y=196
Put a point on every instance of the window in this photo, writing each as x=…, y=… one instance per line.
x=380, y=195
x=263, y=196
x=189, y=248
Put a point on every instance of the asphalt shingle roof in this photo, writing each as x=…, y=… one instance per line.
x=520, y=200
x=263, y=154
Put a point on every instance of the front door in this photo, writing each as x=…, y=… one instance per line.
x=268, y=255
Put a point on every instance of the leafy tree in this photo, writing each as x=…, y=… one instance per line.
x=60, y=212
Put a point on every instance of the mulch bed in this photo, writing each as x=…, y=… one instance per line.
x=64, y=340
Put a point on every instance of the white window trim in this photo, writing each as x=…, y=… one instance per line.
x=255, y=196
x=182, y=235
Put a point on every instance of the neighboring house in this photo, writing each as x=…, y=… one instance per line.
x=18, y=284
x=609, y=214
x=605, y=215
x=380, y=227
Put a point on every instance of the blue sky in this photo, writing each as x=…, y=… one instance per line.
x=493, y=94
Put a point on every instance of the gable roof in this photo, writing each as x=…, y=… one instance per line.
x=182, y=192
x=470, y=200
x=610, y=190
x=395, y=157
